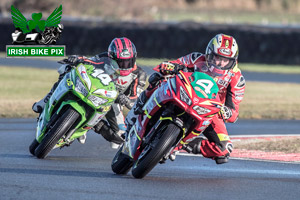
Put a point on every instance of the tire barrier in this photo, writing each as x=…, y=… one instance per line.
x=257, y=44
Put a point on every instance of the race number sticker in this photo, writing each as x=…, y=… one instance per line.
x=205, y=84
x=104, y=78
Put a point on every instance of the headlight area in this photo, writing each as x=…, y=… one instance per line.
x=97, y=101
x=184, y=97
x=200, y=110
x=79, y=87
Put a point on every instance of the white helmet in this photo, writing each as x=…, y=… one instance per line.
x=222, y=51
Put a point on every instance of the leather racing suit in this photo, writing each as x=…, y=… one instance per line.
x=231, y=92
x=129, y=87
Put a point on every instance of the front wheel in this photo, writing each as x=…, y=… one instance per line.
x=33, y=146
x=60, y=127
x=121, y=163
x=144, y=164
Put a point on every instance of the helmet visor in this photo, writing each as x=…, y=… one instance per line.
x=126, y=63
x=209, y=68
x=221, y=62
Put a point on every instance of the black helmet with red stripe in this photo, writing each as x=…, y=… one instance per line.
x=124, y=52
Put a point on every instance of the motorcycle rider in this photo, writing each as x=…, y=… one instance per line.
x=130, y=84
x=222, y=52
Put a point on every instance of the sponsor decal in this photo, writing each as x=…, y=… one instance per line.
x=107, y=93
x=239, y=98
x=231, y=74
x=196, y=100
x=195, y=56
x=125, y=53
x=239, y=93
x=241, y=82
x=120, y=81
x=225, y=51
x=222, y=82
x=32, y=35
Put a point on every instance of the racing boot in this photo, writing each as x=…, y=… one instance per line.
x=82, y=139
x=221, y=159
x=104, y=129
x=38, y=107
x=115, y=145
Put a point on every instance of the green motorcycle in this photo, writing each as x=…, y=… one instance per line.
x=80, y=101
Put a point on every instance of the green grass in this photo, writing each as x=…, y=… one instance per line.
x=284, y=69
x=21, y=87
x=152, y=62
x=271, y=101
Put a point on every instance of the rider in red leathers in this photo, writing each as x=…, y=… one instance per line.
x=222, y=51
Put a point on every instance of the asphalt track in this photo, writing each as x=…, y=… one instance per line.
x=83, y=172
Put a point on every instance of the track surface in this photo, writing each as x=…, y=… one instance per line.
x=83, y=172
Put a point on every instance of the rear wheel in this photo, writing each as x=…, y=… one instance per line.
x=60, y=127
x=121, y=163
x=155, y=151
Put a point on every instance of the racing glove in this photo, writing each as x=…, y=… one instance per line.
x=170, y=68
x=225, y=112
x=123, y=100
x=74, y=59
x=194, y=146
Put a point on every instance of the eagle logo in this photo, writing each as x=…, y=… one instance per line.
x=36, y=30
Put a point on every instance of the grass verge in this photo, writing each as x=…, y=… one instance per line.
x=283, y=69
x=21, y=87
x=286, y=145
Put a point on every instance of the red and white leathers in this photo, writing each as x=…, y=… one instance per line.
x=231, y=91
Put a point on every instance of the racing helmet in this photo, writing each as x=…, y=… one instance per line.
x=123, y=51
x=221, y=54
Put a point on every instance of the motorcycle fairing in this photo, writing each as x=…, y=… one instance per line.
x=68, y=85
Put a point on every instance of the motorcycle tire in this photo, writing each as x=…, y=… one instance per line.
x=121, y=163
x=60, y=127
x=33, y=146
x=145, y=164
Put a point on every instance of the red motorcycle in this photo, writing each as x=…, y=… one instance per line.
x=182, y=103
